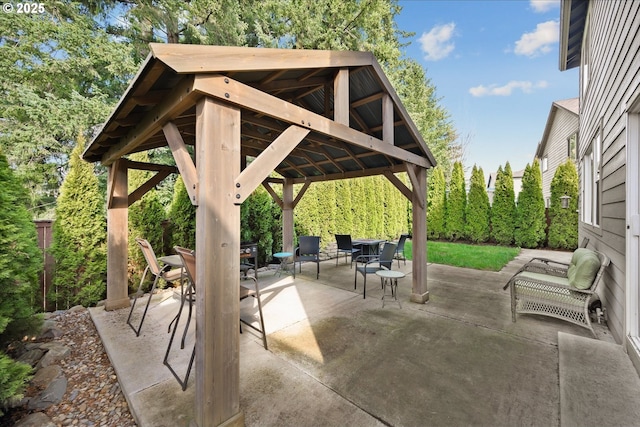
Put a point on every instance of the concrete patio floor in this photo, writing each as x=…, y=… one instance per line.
x=336, y=359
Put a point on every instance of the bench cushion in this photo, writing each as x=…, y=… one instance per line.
x=583, y=269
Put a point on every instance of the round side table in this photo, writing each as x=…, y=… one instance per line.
x=390, y=279
x=283, y=257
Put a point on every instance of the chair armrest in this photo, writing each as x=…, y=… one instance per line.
x=548, y=262
x=551, y=268
x=367, y=258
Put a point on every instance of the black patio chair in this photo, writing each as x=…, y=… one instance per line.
x=373, y=263
x=345, y=246
x=308, y=250
x=400, y=249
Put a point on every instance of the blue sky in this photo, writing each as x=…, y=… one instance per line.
x=495, y=67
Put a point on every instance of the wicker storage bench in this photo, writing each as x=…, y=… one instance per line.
x=559, y=290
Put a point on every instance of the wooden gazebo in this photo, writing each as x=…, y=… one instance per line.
x=308, y=115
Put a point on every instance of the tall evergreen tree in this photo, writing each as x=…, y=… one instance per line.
x=531, y=221
x=20, y=262
x=61, y=74
x=257, y=223
x=182, y=217
x=436, y=204
x=503, y=211
x=456, y=204
x=79, y=237
x=478, y=208
x=145, y=221
x=563, y=227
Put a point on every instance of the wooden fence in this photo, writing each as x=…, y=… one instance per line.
x=46, y=275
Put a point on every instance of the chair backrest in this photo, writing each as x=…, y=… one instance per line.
x=403, y=237
x=188, y=257
x=584, y=243
x=309, y=245
x=149, y=256
x=387, y=254
x=344, y=241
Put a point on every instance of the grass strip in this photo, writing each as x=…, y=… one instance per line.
x=479, y=257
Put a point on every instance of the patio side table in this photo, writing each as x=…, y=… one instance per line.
x=390, y=279
x=283, y=257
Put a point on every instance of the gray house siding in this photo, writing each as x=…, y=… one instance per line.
x=611, y=53
x=561, y=124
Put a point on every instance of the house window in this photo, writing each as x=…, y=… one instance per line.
x=572, y=147
x=545, y=164
x=590, y=191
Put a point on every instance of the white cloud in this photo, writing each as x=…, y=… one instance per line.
x=507, y=90
x=540, y=6
x=437, y=44
x=540, y=40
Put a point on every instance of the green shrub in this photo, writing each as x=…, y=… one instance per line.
x=456, y=204
x=436, y=204
x=478, y=208
x=257, y=223
x=20, y=262
x=182, y=215
x=145, y=221
x=79, y=237
x=563, y=227
x=531, y=221
x=13, y=380
x=503, y=211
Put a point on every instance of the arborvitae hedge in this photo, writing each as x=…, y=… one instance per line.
x=531, y=221
x=478, y=208
x=145, y=221
x=79, y=237
x=563, y=229
x=436, y=204
x=456, y=204
x=182, y=217
x=503, y=211
x=20, y=262
x=258, y=222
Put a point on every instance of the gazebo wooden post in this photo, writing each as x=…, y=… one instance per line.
x=287, y=216
x=217, y=266
x=117, y=236
x=419, y=292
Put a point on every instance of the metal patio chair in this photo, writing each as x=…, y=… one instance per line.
x=165, y=273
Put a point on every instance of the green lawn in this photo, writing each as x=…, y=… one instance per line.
x=479, y=257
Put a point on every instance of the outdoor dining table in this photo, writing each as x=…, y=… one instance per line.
x=368, y=246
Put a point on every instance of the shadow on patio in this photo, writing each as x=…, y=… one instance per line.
x=337, y=359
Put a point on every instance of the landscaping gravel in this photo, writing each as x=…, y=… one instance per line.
x=92, y=396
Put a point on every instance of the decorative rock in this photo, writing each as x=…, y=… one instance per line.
x=76, y=309
x=46, y=375
x=52, y=333
x=56, y=352
x=37, y=419
x=52, y=395
x=32, y=357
